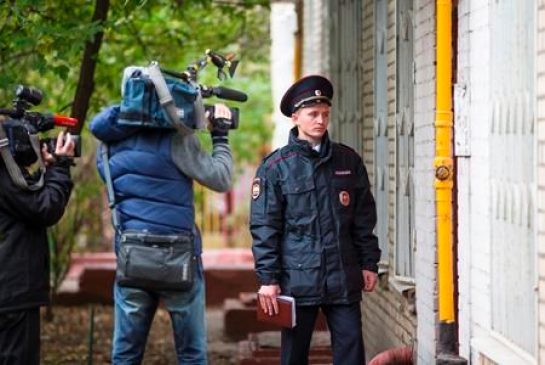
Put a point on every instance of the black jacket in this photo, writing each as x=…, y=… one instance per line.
x=24, y=254
x=312, y=221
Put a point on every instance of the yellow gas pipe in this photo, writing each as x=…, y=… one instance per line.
x=298, y=53
x=443, y=162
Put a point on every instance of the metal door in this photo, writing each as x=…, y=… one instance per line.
x=512, y=171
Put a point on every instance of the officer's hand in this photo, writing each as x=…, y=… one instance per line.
x=370, y=279
x=219, y=121
x=267, y=298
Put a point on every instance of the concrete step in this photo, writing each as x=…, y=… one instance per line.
x=264, y=349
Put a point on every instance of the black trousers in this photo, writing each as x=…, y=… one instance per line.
x=344, y=322
x=20, y=337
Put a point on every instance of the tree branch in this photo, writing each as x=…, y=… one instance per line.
x=86, y=85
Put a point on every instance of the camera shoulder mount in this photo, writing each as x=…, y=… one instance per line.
x=13, y=168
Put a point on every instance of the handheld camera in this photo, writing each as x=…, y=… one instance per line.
x=22, y=126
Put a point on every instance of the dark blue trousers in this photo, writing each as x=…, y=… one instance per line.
x=344, y=322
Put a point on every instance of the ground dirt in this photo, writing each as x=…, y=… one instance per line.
x=65, y=339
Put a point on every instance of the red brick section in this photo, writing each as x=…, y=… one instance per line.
x=264, y=349
x=227, y=281
x=395, y=356
x=89, y=279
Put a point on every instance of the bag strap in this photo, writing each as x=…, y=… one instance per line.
x=165, y=98
x=104, y=150
x=14, y=170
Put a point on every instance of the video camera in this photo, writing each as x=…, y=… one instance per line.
x=22, y=126
x=145, y=89
x=221, y=62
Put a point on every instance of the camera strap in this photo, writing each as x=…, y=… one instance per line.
x=14, y=170
x=104, y=151
x=166, y=100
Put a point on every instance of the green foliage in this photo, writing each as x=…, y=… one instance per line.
x=42, y=43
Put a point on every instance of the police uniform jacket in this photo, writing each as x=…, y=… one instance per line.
x=24, y=253
x=312, y=221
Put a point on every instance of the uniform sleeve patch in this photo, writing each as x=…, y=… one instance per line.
x=344, y=198
x=256, y=188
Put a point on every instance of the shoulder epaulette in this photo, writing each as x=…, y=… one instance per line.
x=342, y=146
x=269, y=155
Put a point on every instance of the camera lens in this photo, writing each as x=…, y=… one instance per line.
x=33, y=96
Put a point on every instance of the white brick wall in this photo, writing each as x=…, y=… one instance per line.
x=283, y=27
x=464, y=254
x=313, y=27
x=424, y=140
x=540, y=159
x=388, y=318
x=367, y=43
x=473, y=177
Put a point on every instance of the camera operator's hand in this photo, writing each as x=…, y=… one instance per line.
x=220, y=121
x=64, y=150
x=65, y=145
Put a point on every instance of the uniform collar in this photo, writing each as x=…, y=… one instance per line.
x=306, y=148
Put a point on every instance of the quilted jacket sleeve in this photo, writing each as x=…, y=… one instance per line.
x=266, y=222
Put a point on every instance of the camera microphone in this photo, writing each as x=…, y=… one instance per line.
x=229, y=94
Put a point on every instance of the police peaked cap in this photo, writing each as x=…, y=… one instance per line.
x=309, y=90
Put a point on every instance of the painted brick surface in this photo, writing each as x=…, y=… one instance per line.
x=388, y=317
x=425, y=255
x=313, y=28
x=540, y=160
x=464, y=250
x=476, y=310
x=367, y=43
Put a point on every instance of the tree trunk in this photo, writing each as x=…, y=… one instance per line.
x=86, y=84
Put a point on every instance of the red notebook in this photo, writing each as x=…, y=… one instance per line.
x=286, y=312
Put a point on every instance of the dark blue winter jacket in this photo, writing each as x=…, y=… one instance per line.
x=153, y=172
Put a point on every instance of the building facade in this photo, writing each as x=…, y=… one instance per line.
x=381, y=57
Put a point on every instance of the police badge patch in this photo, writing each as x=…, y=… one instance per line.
x=256, y=188
x=344, y=198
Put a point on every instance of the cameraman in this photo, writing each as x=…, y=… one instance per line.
x=24, y=253
x=152, y=171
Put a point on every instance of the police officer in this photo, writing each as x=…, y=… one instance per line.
x=312, y=221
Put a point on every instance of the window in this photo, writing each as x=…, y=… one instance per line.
x=380, y=116
x=404, y=199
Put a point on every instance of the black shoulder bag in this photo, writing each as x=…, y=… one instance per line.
x=150, y=261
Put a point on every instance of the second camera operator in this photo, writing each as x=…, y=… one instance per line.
x=25, y=215
x=152, y=173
